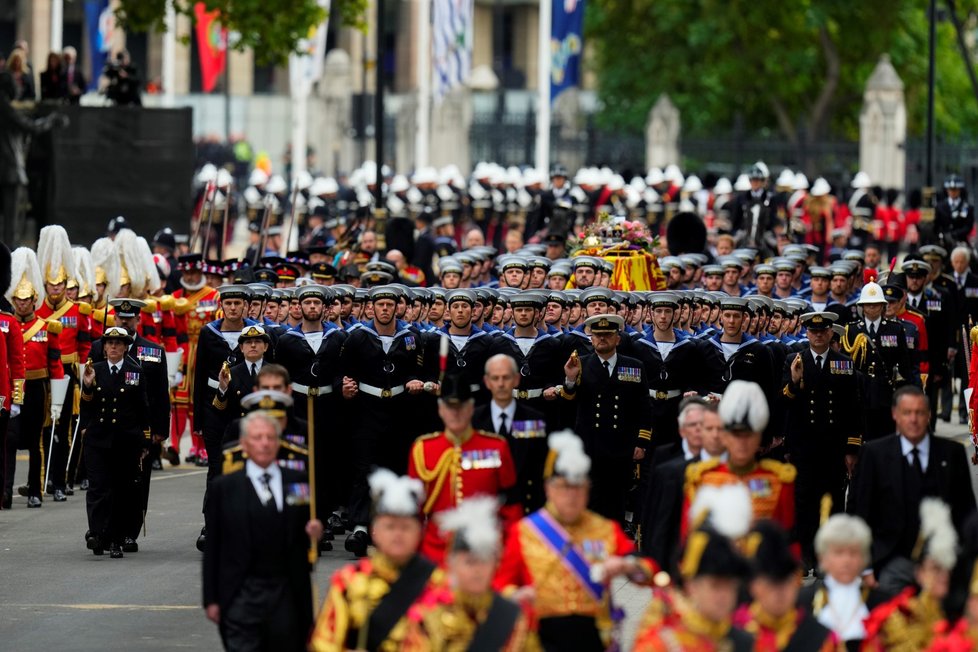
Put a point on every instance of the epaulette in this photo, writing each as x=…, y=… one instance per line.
x=181, y=306
x=231, y=463
x=785, y=472
x=430, y=435
x=491, y=435
x=150, y=306
x=110, y=320
x=167, y=302
x=295, y=448
x=914, y=311
x=54, y=326
x=84, y=308
x=695, y=471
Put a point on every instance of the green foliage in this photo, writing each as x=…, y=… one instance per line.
x=798, y=68
x=272, y=28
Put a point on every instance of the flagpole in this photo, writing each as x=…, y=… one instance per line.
x=169, y=54
x=57, y=25
x=543, y=90
x=422, y=134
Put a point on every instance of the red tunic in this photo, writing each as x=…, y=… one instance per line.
x=42, y=348
x=479, y=466
x=11, y=362
x=75, y=337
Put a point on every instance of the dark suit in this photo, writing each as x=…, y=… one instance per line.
x=886, y=493
x=824, y=424
x=527, y=439
x=662, y=512
x=256, y=565
x=115, y=422
x=614, y=417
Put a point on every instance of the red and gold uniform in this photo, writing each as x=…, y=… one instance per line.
x=193, y=310
x=528, y=560
x=42, y=361
x=454, y=468
x=102, y=317
x=158, y=321
x=672, y=623
x=771, y=485
x=354, y=593
x=796, y=628
x=11, y=362
x=443, y=620
x=903, y=624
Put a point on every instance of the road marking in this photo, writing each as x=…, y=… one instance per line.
x=105, y=607
x=177, y=474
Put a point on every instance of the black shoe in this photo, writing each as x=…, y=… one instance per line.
x=94, y=543
x=50, y=487
x=69, y=491
x=202, y=539
x=84, y=485
x=88, y=535
x=334, y=525
x=325, y=545
x=129, y=545
x=946, y=418
x=157, y=465
x=172, y=456
x=201, y=461
x=22, y=490
x=963, y=421
x=190, y=459
x=357, y=543
x=7, y=502
x=115, y=552
x=59, y=496
x=34, y=501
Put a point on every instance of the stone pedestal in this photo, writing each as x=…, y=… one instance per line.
x=451, y=120
x=329, y=116
x=662, y=134
x=883, y=127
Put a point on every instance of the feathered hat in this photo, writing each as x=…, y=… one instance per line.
x=723, y=514
x=938, y=540
x=567, y=458
x=54, y=254
x=153, y=282
x=107, y=270
x=26, y=280
x=84, y=271
x=395, y=495
x=743, y=407
x=474, y=526
x=136, y=262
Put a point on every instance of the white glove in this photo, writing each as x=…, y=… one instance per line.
x=55, y=413
x=14, y=410
x=177, y=379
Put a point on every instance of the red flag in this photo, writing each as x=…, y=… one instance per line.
x=212, y=41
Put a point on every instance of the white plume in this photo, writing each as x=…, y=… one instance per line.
x=727, y=508
x=153, y=282
x=132, y=255
x=393, y=494
x=937, y=530
x=475, y=520
x=23, y=262
x=572, y=462
x=744, y=406
x=106, y=258
x=84, y=271
x=54, y=251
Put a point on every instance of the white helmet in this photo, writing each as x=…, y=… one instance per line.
x=871, y=293
x=861, y=180
x=800, y=182
x=742, y=183
x=692, y=184
x=723, y=187
x=786, y=179
x=820, y=188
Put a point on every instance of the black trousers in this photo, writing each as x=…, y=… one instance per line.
x=33, y=437
x=140, y=501
x=111, y=496
x=8, y=457
x=377, y=444
x=611, y=478
x=562, y=633
x=816, y=479
x=262, y=616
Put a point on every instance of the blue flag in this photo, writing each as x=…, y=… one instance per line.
x=101, y=22
x=566, y=45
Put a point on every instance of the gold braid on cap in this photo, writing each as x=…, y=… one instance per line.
x=693, y=554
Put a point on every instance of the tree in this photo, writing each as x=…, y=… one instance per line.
x=794, y=68
x=271, y=28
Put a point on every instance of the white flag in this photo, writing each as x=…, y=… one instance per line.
x=452, y=40
x=306, y=68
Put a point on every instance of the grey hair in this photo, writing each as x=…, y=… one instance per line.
x=684, y=413
x=257, y=416
x=501, y=356
x=844, y=530
x=965, y=251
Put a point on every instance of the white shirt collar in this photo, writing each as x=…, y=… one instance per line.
x=688, y=454
x=612, y=361
x=824, y=356
x=255, y=473
x=706, y=457
x=923, y=450
x=845, y=610
x=495, y=411
x=876, y=323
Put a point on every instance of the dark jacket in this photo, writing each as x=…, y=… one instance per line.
x=115, y=411
x=528, y=444
x=152, y=359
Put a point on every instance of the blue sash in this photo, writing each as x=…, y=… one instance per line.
x=554, y=536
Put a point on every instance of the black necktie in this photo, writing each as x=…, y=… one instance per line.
x=268, y=497
x=607, y=367
x=872, y=330
x=254, y=372
x=503, y=430
x=818, y=362
x=918, y=467
x=115, y=371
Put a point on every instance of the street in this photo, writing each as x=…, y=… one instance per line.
x=60, y=596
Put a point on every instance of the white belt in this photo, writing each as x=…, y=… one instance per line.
x=312, y=391
x=662, y=396
x=527, y=393
x=213, y=383
x=378, y=392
